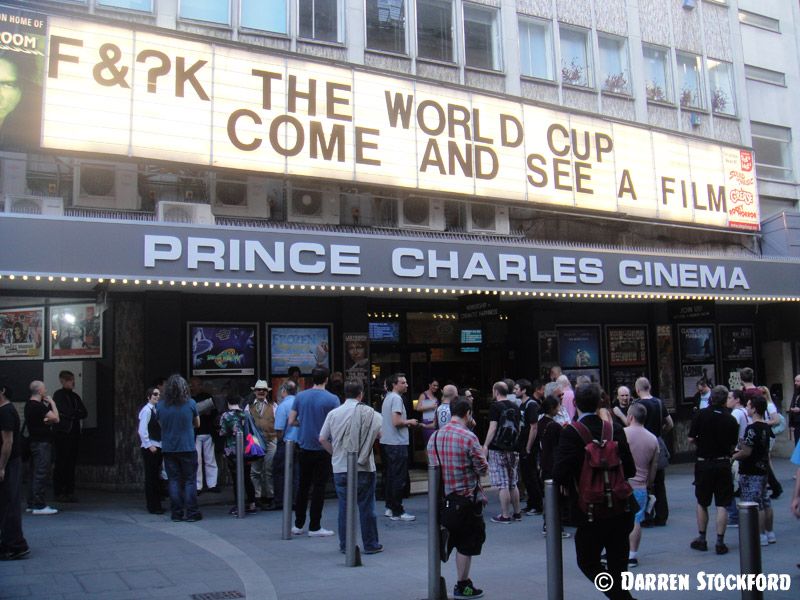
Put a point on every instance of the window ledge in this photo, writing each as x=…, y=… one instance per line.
x=265, y=34
x=339, y=45
x=484, y=70
x=533, y=79
x=620, y=95
x=718, y=115
x=121, y=10
x=580, y=88
x=388, y=53
x=773, y=180
x=209, y=24
x=662, y=103
x=438, y=63
x=692, y=109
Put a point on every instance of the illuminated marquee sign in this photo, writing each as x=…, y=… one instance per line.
x=147, y=95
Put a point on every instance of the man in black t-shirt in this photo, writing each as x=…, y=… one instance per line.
x=715, y=432
x=529, y=395
x=41, y=413
x=12, y=543
x=753, y=460
x=67, y=437
x=503, y=460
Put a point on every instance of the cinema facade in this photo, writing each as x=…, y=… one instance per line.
x=222, y=210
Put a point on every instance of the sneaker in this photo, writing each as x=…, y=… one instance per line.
x=298, y=530
x=375, y=550
x=466, y=590
x=321, y=532
x=633, y=563
x=764, y=540
x=15, y=554
x=404, y=517
x=533, y=512
x=565, y=535
x=721, y=548
x=771, y=537
x=699, y=544
x=517, y=516
x=388, y=513
x=194, y=518
x=501, y=519
x=47, y=510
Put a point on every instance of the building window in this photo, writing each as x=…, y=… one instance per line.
x=536, y=48
x=481, y=37
x=772, y=149
x=321, y=20
x=264, y=15
x=615, y=75
x=576, y=69
x=689, y=77
x=214, y=11
x=386, y=25
x=720, y=75
x=435, y=29
x=141, y=5
x=657, y=73
x=761, y=21
x=765, y=75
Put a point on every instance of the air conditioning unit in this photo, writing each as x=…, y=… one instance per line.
x=13, y=177
x=246, y=198
x=357, y=208
x=488, y=218
x=106, y=185
x=417, y=212
x=184, y=212
x=35, y=205
x=314, y=206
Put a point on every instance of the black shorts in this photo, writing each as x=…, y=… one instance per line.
x=713, y=478
x=468, y=539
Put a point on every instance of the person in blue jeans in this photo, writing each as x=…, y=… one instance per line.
x=354, y=427
x=178, y=417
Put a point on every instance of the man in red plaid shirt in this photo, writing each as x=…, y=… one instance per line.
x=457, y=450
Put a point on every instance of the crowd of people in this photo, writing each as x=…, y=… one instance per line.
x=536, y=431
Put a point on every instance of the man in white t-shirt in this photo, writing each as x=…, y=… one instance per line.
x=394, y=447
x=443, y=415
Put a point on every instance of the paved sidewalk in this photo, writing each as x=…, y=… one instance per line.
x=109, y=548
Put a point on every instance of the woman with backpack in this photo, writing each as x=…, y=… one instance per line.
x=230, y=423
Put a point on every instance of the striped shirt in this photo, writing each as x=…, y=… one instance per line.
x=461, y=457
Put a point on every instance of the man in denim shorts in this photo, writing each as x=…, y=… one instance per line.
x=503, y=463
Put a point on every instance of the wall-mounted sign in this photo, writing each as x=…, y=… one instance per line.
x=76, y=331
x=21, y=333
x=303, y=346
x=627, y=346
x=168, y=251
x=737, y=342
x=697, y=344
x=223, y=349
x=680, y=311
x=117, y=90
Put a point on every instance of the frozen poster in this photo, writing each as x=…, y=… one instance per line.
x=306, y=347
x=223, y=349
x=579, y=347
x=697, y=344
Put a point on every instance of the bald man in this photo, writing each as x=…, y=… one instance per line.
x=449, y=394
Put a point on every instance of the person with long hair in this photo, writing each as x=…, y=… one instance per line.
x=150, y=435
x=178, y=417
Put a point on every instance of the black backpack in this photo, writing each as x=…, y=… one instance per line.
x=507, y=429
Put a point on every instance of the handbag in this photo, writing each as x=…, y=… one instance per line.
x=254, y=445
x=663, y=454
x=780, y=426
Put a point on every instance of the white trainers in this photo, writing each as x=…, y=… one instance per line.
x=404, y=517
x=771, y=539
x=763, y=538
x=47, y=510
x=321, y=532
x=298, y=530
x=388, y=513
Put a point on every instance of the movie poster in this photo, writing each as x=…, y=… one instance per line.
x=626, y=376
x=579, y=347
x=627, y=346
x=21, y=334
x=300, y=346
x=737, y=342
x=697, y=344
x=22, y=50
x=692, y=374
x=665, y=352
x=223, y=348
x=356, y=358
x=76, y=331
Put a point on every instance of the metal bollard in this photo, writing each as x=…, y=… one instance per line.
x=555, y=565
x=749, y=545
x=352, y=553
x=239, y=475
x=437, y=588
x=288, y=490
